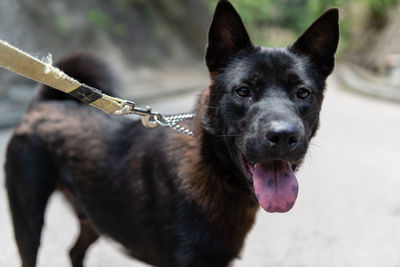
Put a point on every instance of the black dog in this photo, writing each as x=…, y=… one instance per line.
x=168, y=198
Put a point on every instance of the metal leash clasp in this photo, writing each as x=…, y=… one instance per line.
x=149, y=118
x=152, y=119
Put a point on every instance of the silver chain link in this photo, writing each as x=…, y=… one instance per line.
x=174, y=119
x=151, y=119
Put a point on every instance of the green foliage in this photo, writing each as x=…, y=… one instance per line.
x=378, y=10
x=297, y=15
x=62, y=25
x=103, y=20
x=98, y=17
x=120, y=29
x=380, y=5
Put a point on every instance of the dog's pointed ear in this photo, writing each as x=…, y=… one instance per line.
x=227, y=36
x=319, y=42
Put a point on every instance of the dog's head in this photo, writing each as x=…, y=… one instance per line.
x=263, y=104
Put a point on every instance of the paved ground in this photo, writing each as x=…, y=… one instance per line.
x=347, y=213
x=362, y=80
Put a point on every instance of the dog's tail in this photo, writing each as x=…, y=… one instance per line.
x=85, y=68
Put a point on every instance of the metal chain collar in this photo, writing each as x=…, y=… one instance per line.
x=151, y=119
x=174, y=119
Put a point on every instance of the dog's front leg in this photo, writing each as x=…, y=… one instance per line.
x=199, y=245
x=194, y=256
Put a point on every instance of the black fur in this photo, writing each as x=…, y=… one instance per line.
x=170, y=199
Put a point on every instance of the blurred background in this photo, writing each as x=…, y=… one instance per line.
x=348, y=210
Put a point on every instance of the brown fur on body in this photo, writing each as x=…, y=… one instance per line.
x=168, y=198
x=132, y=189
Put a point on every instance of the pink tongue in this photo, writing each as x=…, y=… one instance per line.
x=275, y=186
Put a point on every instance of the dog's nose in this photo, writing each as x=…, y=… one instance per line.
x=281, y=135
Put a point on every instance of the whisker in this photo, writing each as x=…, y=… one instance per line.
x=315, y=150
x=212, y=107
x=229, y=135
x=208, y=106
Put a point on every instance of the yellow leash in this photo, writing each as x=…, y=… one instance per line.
x=15, y=60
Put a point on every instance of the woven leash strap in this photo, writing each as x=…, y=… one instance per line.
x=16, y=60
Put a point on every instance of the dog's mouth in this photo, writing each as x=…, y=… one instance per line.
x=274, y=184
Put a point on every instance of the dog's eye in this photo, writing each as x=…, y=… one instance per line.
x=303, y=93
x=243, y=92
